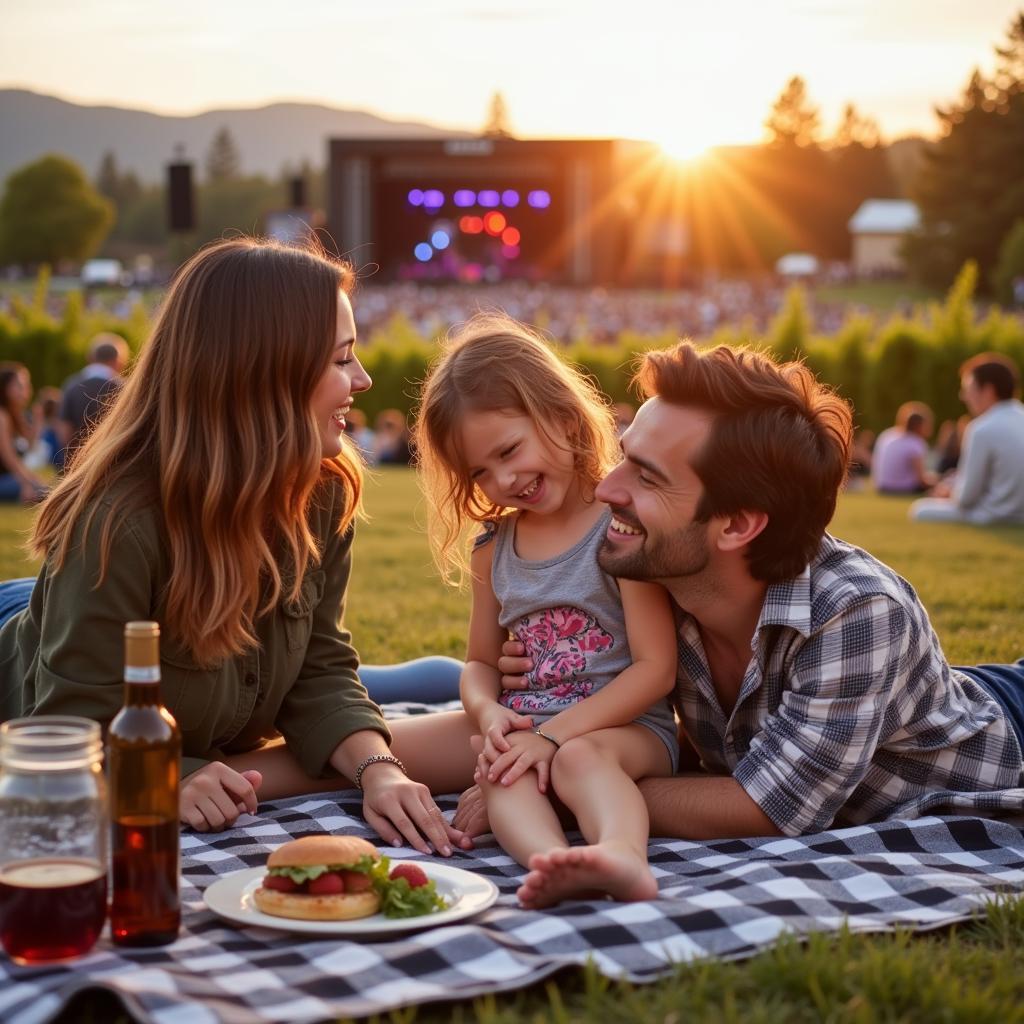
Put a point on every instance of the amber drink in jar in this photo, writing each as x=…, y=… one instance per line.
x=53, y=831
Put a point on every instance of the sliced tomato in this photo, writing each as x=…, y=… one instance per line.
x=280, y=883
x=356, y=881
x=329, y=884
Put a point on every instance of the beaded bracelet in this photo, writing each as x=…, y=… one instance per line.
x=375, y=759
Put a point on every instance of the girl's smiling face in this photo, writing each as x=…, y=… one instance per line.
x=514, y=463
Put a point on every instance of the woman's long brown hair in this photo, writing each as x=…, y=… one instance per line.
x=214, y=426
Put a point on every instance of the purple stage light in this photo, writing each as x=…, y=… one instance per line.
x=464, y=197
x=433, y=199
x=510, y=197
x=415, y=197
x=488, y=197
x=539, y=199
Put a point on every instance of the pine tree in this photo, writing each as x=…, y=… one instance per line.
x=223, y=162
x=497, y=124
x=970, y=187
x=793, y=120
x=855, y=129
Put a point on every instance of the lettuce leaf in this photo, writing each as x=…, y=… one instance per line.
x=367, y=865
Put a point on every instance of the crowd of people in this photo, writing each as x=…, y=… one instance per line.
x=594, y=314
x=598, y=315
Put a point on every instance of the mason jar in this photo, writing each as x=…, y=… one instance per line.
x=53, y=838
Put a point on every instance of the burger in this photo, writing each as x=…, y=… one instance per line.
x=321, y=878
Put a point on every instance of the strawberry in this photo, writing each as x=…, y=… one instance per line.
x=329, y=884
x=412, y=873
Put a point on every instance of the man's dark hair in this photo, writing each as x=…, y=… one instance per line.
x=779, y=443
x=991, y=368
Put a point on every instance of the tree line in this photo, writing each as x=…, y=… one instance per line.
x=750, y=205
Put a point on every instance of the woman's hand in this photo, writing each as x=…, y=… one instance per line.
x=526, y=750
x=213, y=797
x=495, y=725
x=397, y=808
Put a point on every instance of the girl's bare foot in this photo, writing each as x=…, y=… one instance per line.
x=611, y=869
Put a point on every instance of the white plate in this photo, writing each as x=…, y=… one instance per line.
x=464, y=892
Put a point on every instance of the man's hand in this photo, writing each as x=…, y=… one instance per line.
x=526, y=750
x=397, y=808
x=495, y=724
x=513, y=665
x=213, y=797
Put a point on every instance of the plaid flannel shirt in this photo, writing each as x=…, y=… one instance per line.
x=848, y=711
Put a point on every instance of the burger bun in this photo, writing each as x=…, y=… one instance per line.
x=303, y=907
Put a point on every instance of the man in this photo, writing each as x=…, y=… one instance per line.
x=87, y=392
x=811, y=684
x=989, y=483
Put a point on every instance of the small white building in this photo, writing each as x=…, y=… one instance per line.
x=878, y=229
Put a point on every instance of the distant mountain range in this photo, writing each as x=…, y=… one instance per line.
x=32, y=125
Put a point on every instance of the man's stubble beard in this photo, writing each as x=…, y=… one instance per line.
x=684, y=555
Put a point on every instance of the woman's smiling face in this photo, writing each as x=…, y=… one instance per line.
x=343, y=378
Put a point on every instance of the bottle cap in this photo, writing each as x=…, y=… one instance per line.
x=141, y=629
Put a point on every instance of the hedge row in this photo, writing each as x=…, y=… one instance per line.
x=876, y=364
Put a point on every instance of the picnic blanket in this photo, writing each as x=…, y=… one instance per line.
x=726, y=899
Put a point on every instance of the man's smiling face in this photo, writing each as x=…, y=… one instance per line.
x=654, y=494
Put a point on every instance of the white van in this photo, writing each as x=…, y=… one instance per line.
x=103, y=274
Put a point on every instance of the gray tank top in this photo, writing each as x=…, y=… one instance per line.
x=567, y=612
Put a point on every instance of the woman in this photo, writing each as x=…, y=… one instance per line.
x=900, y=459
x=217, y=496
x=18, y=433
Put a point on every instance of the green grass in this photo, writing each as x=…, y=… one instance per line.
x=968, y=578
x=877, y=296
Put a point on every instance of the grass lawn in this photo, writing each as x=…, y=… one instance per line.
x=969, y=579
x=877, y=296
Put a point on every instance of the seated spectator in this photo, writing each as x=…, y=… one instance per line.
x=87, y=392
x=392, y=443
x=989, y=483
x=17, y=436
x=948, y=444
x=899, y=461
x=860, y=459
x=361, y=434
x=48, y=449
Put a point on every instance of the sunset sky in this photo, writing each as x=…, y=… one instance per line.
x=684, y=73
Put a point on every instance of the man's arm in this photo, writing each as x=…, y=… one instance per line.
x=703, y=807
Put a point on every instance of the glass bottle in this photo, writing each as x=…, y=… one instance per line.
x=143, y=765
x=53, y=838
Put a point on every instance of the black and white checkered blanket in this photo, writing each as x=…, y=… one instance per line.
x=725, y=899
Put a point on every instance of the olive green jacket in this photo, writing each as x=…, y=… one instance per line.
x=64, y=654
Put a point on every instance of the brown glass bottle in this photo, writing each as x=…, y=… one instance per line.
x=144, y=764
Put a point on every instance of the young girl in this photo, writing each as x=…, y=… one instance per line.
x=511, y=438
